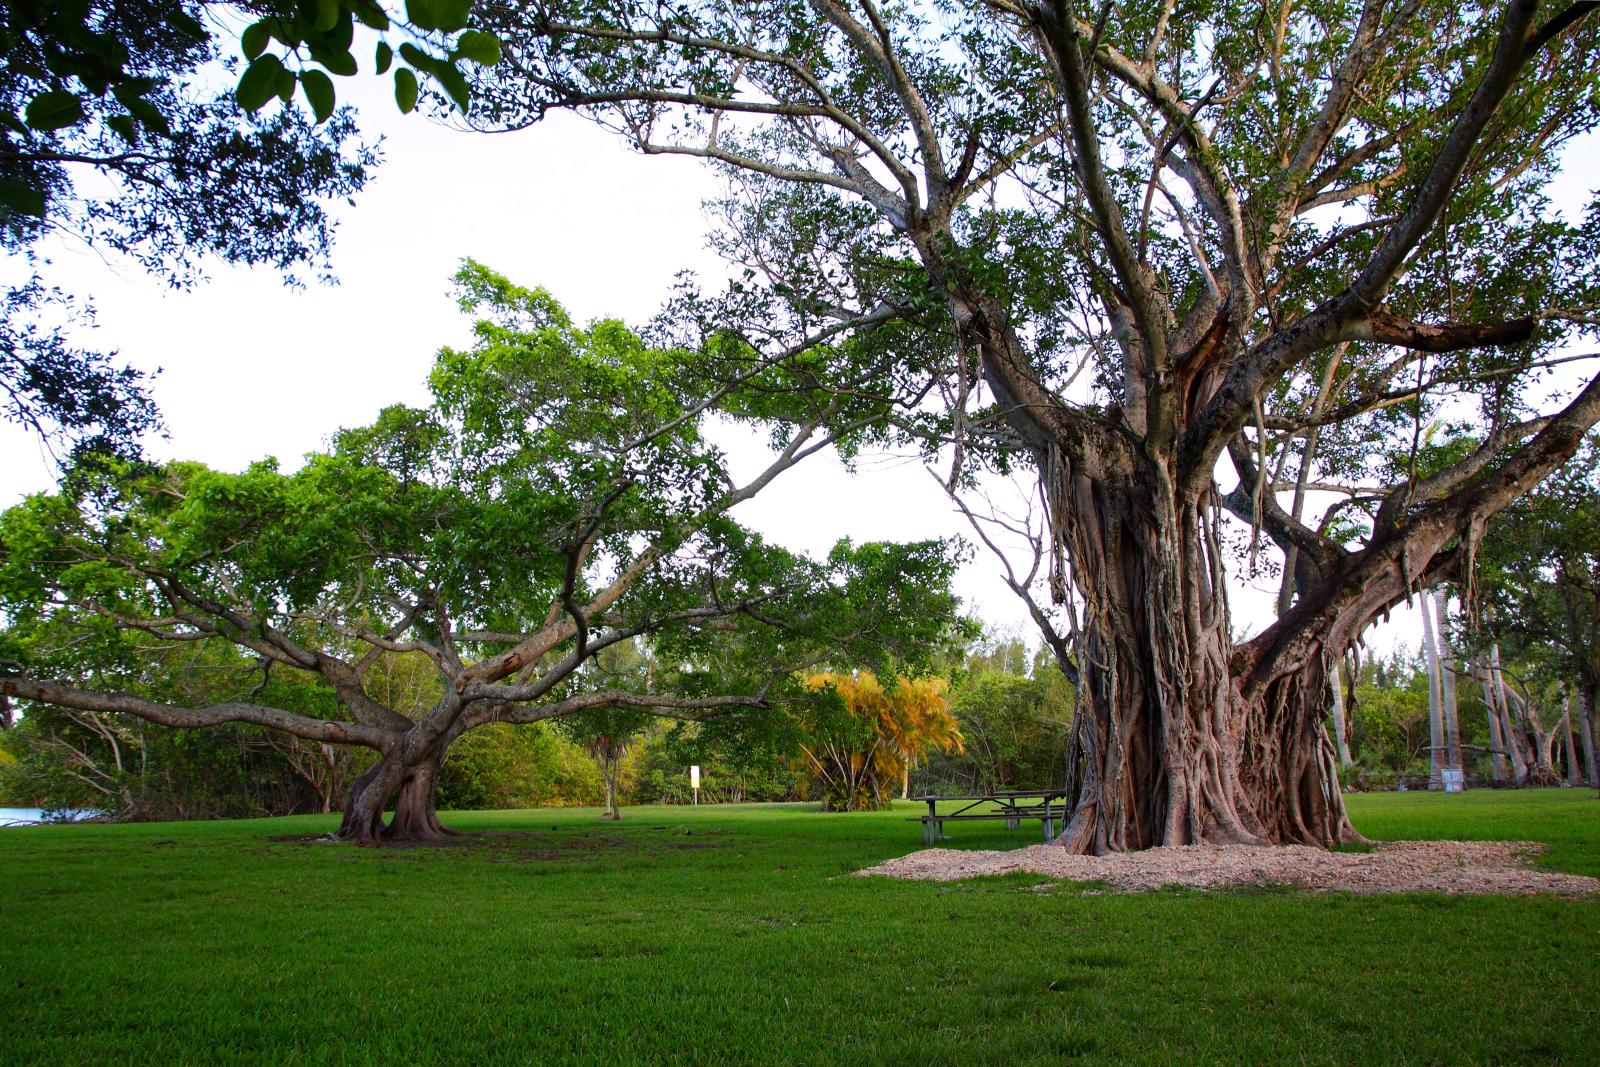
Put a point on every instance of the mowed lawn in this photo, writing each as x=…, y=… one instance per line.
x=735, y=935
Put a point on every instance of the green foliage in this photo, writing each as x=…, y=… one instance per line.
x=1015, y=710
x=108, y=765
x=12, y=795
x=117, y=765
x=1388, y=724
x=318, y=35
x=1538, y=579
x=504, y=766
x=859, y=738
x=1389, y=721
x=120, y=87
x=737, y=764
x=122, y=90
x=904, y=169
x=94, y=48
x=1015, y=727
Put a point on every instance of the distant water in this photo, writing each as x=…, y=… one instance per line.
x=31, y=816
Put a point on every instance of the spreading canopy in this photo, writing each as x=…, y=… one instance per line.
x=558, y=499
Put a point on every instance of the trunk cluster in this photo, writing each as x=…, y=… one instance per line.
x=1173, y=747
x=411, y=786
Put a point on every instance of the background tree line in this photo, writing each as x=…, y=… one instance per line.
x=1004, y=716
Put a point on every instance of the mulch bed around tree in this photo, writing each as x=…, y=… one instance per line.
x=1499, y=867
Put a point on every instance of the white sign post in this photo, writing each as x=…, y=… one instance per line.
x=694, y=783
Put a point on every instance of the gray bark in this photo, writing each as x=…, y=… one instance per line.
x=1339, y=729
x=1436, y=739
x=1499, y=763
x=1574, y=772
x=1586, y=727
x=1509, y=725
x=1447, y=676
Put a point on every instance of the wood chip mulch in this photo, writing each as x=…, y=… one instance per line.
x=1494, y=867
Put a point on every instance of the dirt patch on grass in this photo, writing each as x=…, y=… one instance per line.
x=1499, y=867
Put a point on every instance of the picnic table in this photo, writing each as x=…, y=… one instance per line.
x=1049, y=806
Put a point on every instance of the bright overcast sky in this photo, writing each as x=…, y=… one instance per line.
x=249, y=368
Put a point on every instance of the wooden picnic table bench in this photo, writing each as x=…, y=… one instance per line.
x=1049, y=806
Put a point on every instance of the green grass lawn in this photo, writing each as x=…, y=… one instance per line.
x=730, y=935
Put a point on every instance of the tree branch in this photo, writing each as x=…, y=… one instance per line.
x=64, y=696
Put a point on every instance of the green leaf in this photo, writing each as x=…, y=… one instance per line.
x=327, y=16
x=53, y=110
x=415, y=56
x=253, y=41
x=131, y=88
x=341, y=63
x=385, y=56
x=341, y=37
x=455, y=84
x=21, y=198
x=405, y=90
x=149, y=116
x=259, y=83
x=422, y=14
x=12, y=123
x=286, y=81
x=482, y=48
x=452, y=14
x=371, y=15
x=319, y=92
x=126, y=128
x=186, y=25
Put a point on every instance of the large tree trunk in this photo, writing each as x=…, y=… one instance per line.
x=1511, y=730
x=410, y=788
x=1172, y=752
x=1544, y=769
x=1586, y=728
x=1574, y=774
x=608, y=769
x=415, y=818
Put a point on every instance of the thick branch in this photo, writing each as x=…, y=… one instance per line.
x=1411, y=553
x=1385, y=328
x=1281, y=526
x=64, y=696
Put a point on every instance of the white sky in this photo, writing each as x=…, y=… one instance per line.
x=250, y=368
